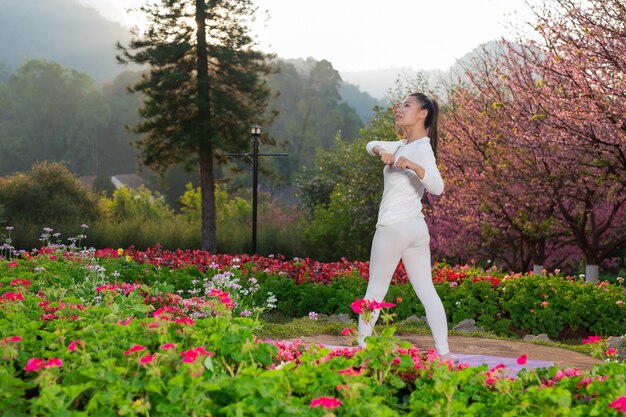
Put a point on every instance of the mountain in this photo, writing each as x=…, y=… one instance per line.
x=62, y=31
x=379, y=82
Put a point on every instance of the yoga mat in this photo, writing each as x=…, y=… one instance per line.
x=489, y=360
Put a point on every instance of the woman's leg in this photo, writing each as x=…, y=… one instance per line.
x=387, y=247
x=416, y=260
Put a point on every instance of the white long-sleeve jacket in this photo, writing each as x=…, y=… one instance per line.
x=403, y=190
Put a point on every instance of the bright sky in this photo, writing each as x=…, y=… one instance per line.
x=371, y=34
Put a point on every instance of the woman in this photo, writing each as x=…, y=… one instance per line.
x=401, y=231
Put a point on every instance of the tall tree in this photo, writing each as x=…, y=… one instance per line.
x=205, y=87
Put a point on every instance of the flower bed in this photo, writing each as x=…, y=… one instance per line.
x=98, y=333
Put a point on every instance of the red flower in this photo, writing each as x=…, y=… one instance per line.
x=12, y=296
x=19, y=281
x=72, y=346
x=192, y=354
x=184, y=320
x=347, y=331
x=34, y=364
x=12, y=264
x=12, y=339
x=522, y=360
x=136, y=348
x=168, y=346
x=619, y=404
x=147, y=359
x=326, y=402
x=592, y=339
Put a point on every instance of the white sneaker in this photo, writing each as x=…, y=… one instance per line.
x=449, y=357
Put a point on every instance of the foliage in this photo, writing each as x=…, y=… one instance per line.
x=311, y=112
x=141, y=205
x=48, y=194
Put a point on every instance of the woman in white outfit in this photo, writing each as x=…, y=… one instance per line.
x=401, y=232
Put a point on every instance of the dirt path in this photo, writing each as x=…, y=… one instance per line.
x=563, y=358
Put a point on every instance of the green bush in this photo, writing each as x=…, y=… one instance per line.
x=49, y=194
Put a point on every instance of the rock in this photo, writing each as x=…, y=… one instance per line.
x=415, y=319
x=539, y=338
x=342, y=318
x=614, y=342
x=467, y=326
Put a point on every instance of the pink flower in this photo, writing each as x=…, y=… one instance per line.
x=136, y=348
x=53, y=363
x=192, y=354
x=184, y=320
x=19, y=281
x=12, y=264
x=522, y=360
x=147, y=359
x=619, y=404
x=610, y=352
x=72, y=346
x=13, y=296
x=326, y=402
x=358, y=305
x=12, y=339
x=347, y=331
x=34, y=364
x=168, y=346
x=592, y=339
x=351, y=372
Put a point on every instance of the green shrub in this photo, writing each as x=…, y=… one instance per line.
x=49, y=194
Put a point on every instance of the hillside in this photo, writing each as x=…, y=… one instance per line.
x=62, y=31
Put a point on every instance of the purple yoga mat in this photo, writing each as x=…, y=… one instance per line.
x=491, y=361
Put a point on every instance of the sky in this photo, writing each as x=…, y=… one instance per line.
x=360, y=35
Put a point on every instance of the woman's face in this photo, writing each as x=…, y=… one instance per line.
x=410, y=112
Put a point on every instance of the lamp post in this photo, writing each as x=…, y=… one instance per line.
x=255, y=130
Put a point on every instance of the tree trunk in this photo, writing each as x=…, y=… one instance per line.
x=591, y=273
x=207, y=187
x=207, y=178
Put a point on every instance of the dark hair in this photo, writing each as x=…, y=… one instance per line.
x=431, y=120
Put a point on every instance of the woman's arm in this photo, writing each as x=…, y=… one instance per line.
x=428, y=173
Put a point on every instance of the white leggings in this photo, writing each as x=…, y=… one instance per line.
x=408, y=240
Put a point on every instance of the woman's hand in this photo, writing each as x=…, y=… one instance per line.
x=386, y=157
x=404, y=163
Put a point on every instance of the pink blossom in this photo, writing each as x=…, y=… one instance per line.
x=610, y=352
x=619, y=404
x=34, y=364
x=13, y=296
x=592, y=339
x=147, y=359
x=326, y=402
x=351, y=372
x=184, y=320
x=192, y=354
x=347, y=331
x=522, y=360
x=19, y=281
x=135, y=348
x=12, y=264
x=168, y=346
x=12, y=339
x=53, y=363
x=72, y=346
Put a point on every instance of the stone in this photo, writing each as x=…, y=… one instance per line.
x=415, y=319
x=341, y=318
x=539, y=338
x=467, y=326
x=615, y=342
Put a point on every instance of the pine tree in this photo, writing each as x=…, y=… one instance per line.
x=205, y=87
